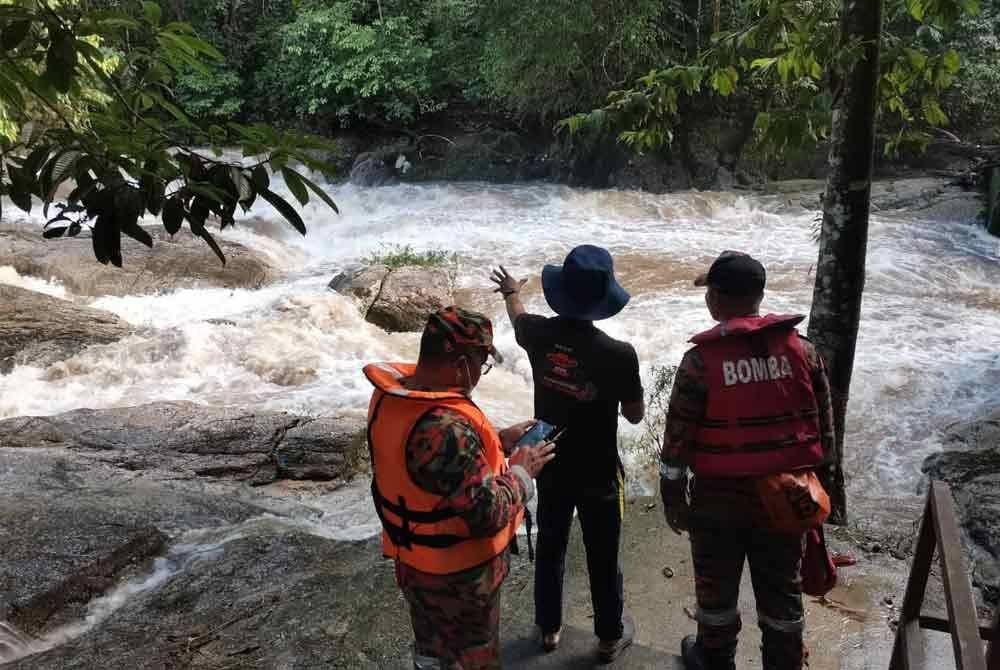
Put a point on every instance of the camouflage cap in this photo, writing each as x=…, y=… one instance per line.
x=462, y=327
x=734, y=273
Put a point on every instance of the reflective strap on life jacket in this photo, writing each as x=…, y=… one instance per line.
x=403, y=535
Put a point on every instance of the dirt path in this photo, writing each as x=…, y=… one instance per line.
x=851, y=631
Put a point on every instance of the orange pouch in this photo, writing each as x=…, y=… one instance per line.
x=794, y=501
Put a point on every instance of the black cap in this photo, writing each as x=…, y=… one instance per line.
x=734, y=273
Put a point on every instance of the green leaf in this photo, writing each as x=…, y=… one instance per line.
x=35, y=160
x=58, y=231
x=244, y=188
x=261, y=180
x=952, y=61
x=284, y=209
x=153, y=12
x=318, y=191
x=205, y=235
x=209, y=191
x=171, y=108
x=295, y=185
x=138, y=233
x=60, y=62
x=14, y=34
x=64, y=163
x=762, y=63
x=22, y=199
x=173, y=215
x=106, y=239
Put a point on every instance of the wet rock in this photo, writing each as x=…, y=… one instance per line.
x=73, y=527
x=409, y=295
x=72, y=594
x=397, y=300
x=926, y=198
x=971, y=467
x=364, y=284
x=181, y=261
x=37, y=329
x=279, y=598
x=183, y=440
x=372, y=170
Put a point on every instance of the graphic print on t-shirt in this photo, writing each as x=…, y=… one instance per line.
x=562, y=372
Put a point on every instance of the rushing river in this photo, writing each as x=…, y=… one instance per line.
x=927, y=352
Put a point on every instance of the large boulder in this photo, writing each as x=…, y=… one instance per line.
x=174, y=262
x=373, y=170
x=39, y=329
x=971, y=466
x=397, y=300
x=183, y=440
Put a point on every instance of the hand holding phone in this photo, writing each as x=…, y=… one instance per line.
x=537, y=433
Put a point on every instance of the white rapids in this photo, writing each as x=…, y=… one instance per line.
x=927, y=352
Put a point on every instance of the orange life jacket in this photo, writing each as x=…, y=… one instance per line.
x=419, y=528
x=761, y=417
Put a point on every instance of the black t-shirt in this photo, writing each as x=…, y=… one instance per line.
x=581, y=376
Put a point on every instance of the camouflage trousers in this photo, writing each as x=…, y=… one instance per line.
x=775, y=561
x=456, y=618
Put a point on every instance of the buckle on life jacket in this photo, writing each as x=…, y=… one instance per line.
x=402, y=535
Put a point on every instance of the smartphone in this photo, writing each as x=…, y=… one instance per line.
x=540, y=431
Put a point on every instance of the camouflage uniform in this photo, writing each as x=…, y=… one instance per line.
x=728, y=526
x=456, y=618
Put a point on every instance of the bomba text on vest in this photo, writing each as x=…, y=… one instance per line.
x=758, y=369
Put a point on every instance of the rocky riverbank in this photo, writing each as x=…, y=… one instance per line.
x=971, y=466
x=145, y=570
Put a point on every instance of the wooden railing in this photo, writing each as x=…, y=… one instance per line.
x=939, y=530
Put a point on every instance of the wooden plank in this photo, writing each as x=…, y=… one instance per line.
x=920, y=570
x=941, y=624
x=906, y=654
x=911, y=646
x=993, y=650
x=957, y=588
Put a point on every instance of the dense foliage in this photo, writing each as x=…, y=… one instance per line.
x=787, y=60
x=109, y=96
x=334, y=63
x=87, y=100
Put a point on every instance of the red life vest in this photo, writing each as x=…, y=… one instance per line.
x=418, y=527
x=761, y=416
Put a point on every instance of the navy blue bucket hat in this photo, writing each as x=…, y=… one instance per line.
x=584, y=287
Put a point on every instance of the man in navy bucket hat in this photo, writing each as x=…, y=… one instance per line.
x=582, y=377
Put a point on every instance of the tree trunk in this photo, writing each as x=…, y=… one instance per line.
x=993, y=200
x=840, y=270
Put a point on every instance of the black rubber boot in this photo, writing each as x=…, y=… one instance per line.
x=697, y=658
x=782, y=651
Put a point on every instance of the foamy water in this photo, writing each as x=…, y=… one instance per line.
x=927, y=352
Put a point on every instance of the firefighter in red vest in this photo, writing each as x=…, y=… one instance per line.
x=750, y=401
x=449, y=503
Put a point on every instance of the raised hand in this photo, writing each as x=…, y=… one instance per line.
x=506, y=284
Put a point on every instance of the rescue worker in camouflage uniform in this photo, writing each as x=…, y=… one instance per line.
x=750, y=400
x=449, y=503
